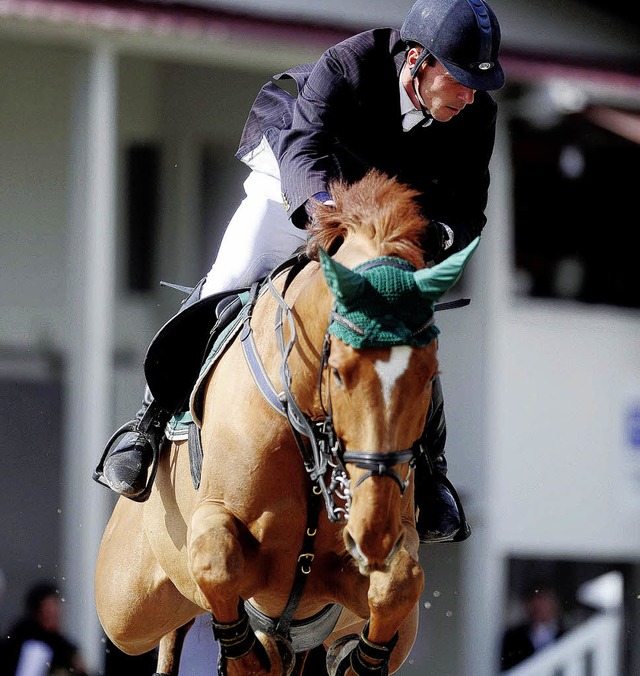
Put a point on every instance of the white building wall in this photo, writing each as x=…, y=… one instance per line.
x=566, y=373
x=35, y=110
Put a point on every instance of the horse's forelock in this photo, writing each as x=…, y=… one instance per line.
x=381, y=207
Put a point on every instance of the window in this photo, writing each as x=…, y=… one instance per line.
x=143, y=201
x=576, y=214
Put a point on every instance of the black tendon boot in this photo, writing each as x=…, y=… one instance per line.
x=125, y=465
x=440, y=516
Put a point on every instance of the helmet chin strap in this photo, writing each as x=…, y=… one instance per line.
x=422, y=57
x=425, y=111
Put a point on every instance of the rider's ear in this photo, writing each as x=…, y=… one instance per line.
x=413, y=54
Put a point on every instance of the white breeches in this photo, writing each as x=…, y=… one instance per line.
x=258, y=237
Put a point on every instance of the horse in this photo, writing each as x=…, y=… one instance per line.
x=301, y=532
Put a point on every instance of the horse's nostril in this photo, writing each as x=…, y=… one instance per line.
x=353, y=548
x=349, y=542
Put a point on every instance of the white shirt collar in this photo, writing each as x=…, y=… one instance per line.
x=411, y=116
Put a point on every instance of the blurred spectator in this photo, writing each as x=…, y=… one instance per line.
x=3, y=586
x=543, y=625
x=35, y=645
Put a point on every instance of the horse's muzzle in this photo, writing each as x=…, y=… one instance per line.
x=367, y=564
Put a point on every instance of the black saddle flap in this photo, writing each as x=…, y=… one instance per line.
x=177, y=351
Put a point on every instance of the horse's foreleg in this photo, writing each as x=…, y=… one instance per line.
x=387, y=638
x=217, y=560
x=218, y=545
x=393, y=603
x=170, y=649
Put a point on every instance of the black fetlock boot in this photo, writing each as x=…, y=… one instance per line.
x=440, y=516
x=125, y=465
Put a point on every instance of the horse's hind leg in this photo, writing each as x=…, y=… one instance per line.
x=170, y=650
x=217, y=549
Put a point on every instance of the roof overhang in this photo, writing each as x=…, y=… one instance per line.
x=205, y=33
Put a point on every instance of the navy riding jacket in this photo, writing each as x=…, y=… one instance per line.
x=346, y=120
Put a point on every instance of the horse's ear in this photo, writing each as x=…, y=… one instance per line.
x=436, y=281
x=343, y=283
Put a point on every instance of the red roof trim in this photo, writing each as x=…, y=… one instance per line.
x=168, y=18
x=198, y=22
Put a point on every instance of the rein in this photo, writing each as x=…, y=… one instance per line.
x=316, y=440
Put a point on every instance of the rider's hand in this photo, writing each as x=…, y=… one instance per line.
x=437, y=241
x=325, y=198
x=311, y=204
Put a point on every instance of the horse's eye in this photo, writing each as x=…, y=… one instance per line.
x=336, y=377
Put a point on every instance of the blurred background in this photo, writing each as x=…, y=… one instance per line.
x=119, y=122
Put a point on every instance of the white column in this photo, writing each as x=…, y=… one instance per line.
x=485, y=574
x=89, y=391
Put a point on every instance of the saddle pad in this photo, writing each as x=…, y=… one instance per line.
x=177, y=428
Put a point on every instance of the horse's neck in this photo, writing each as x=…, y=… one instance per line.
x=310, y=302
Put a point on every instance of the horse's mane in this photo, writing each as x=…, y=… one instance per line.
x=382, y=207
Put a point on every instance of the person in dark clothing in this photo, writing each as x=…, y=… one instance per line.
x=36, y=644
x=542, y=627
x=412, y=103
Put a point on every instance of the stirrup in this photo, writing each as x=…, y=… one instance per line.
x=142, y=427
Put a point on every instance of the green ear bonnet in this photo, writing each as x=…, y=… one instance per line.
x=386, y=301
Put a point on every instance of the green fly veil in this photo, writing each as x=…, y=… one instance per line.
x=386, y=301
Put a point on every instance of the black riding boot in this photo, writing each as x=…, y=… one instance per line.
x=440, y=516
x=124, y=467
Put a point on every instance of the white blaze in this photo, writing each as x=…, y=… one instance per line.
x=390, y=371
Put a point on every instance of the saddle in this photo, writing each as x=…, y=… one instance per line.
x=176, y=353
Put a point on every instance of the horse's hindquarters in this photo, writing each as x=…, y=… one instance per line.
x=136, y=602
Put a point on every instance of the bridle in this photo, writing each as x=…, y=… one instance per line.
x=375, y=462
x=317, y=440
x=319, y=445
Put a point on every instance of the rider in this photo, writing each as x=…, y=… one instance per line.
x=412, y=103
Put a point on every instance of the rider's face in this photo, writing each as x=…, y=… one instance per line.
x=443, y=96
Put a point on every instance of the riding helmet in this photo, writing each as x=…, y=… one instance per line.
x=464, y=35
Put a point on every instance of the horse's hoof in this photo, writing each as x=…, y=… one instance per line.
x=338, y=650
x=283, y=651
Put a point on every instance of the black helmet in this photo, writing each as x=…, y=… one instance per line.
x=464, y=35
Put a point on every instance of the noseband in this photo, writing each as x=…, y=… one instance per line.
x=377, y=463
x=381, y=464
